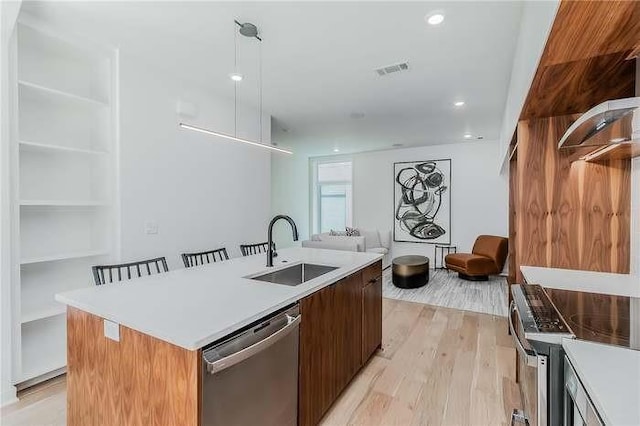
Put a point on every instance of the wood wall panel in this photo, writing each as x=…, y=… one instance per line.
x=513, y=196
x=568, y=214
x=586, y=58
x=584, y=29
x=575, y=87
x=137, y=381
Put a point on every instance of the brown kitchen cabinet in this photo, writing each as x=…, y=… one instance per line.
x=371, y=317
x=334, y=333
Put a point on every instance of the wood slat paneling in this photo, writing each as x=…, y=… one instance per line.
x=137, y=381
x=569, y=214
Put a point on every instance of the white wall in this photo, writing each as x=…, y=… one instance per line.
x=537, y=19
x=290, y=194
x=479, y=195
x=203, y=192
x=8, y=15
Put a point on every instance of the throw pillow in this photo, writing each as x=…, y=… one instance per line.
x=353, y=232
x=337, y=233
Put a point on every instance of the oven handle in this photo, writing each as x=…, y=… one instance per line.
x=529, y=355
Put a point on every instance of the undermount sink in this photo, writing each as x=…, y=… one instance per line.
x=296, y=274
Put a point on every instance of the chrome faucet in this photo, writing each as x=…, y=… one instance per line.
x=270, y=251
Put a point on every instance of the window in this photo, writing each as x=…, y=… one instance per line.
x=331, y=196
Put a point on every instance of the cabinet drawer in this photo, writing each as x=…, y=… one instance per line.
x=371, y=273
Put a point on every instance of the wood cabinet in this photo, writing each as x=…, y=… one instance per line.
x=341, y=327
x=371, y=317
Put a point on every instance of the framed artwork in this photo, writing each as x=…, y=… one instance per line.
x=422, y=201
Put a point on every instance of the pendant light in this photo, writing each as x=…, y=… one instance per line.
x=247, y=30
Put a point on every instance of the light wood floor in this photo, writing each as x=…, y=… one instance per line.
x=437, y=366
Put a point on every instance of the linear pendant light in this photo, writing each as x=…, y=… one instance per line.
x=251, y=31
x=233, y=138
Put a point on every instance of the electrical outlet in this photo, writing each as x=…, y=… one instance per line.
x=111, y=330
x=150, y=227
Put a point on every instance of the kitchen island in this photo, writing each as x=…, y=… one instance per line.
x=134, y=349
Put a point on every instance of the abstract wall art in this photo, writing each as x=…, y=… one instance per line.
x=422, y=201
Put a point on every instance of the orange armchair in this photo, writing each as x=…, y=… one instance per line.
x=487, y=257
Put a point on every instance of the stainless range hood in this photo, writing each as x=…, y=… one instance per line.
x=611, y=128
x=611, y=122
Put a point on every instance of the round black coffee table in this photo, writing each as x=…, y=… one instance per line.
x=410, y=271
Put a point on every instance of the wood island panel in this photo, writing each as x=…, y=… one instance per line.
x=139, y=380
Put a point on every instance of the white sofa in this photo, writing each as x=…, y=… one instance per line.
x=369, y=241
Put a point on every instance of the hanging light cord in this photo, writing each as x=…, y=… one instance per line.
x=260, y=85
x=235, y=84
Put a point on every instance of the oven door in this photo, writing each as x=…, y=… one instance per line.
x=532, y=376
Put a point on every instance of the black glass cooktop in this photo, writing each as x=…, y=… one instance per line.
x=596, y=317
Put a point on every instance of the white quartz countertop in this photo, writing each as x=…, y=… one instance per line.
x=193, y=307
x=587, y=281
x=611, y=377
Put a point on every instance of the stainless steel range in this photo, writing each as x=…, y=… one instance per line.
x=538, y=328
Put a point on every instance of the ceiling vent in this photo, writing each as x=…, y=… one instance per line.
x=390, y=69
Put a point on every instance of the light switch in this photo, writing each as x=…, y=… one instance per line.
x=112, y=330
x=150, y=227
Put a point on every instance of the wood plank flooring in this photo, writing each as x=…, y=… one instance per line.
x=437, y=366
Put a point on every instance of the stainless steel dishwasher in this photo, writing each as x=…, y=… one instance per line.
x=252, y=377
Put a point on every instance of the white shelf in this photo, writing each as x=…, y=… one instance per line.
x=35, y=146
x=64, y=134
x=64, y=256
x=48, y=366
x=63, y=203
x=45, y=313
x=60, y=93
x=44, y=345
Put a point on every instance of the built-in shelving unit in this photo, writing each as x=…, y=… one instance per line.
x=64, y=185
x=43, y=147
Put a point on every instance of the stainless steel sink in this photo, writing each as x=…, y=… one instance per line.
x=296, y=274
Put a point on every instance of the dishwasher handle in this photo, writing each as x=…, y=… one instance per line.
x=241, y=355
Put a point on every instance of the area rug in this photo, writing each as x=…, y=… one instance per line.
x=446, y=289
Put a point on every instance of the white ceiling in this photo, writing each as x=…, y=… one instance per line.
x=318, y=62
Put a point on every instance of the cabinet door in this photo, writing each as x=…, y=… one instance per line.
x=317, y=377
x=371, y=317
x=348, y=329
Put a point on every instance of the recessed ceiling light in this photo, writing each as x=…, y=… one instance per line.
x=336, y=150
x=468, y=135
x=235, y=77
x=435, y=18
x=458, y=103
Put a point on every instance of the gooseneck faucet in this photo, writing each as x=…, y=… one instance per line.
x=270, y=236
